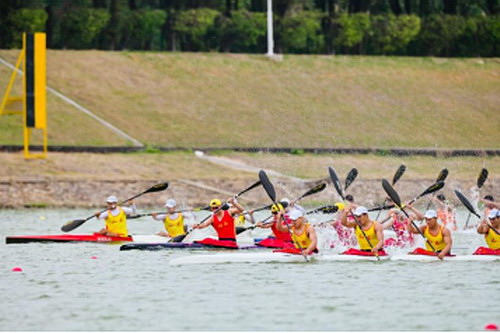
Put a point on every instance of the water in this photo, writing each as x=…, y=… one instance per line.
x=62, y=288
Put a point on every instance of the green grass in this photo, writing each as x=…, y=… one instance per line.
x=220, y=100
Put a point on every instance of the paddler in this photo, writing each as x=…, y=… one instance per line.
x=370, y=237
x=223, y=222
x=445, y=212
x=115, y=218
x=399, y=223
x=490, y=236
x=490, y=204
x=173, y=221
x=434, y=232
x=303, y=234
x=280, y=239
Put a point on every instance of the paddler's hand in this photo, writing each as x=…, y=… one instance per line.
x=195, y=226
x=441, y=256
x=97, y=214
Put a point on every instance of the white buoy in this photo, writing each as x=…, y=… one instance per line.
x=198, y=153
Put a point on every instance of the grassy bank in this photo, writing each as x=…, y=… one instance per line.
x=218, y=100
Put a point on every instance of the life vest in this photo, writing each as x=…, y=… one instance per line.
x=117, y=224
x=301, y=241
x=225, y=227
x=492, y=239
x=437, y=241
x=371, y=234
x=174, y=227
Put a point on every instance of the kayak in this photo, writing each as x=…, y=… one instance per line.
x=248, y=257
x=351, y=257
x=98, y=238
x=425, y=258
x=168, y=246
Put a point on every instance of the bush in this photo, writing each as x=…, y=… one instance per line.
x=391, y=34
x=81, y=26
x=301, y=33
x=145, y=28
x=439, y=33
x=196, y=29
x=25, y=20
x=241, y=32
x=352, y=29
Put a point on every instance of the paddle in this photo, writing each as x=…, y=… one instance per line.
x=180, y=238
x=351, y=176
x=397, y=175
x=396, y=199
x=441, y=177
x=381, y=208
x=177, y=211
x=269, y=188
x=71, y=225
x=471, y=209
x=483, y=175
x=431, y=189
x=336, y=182
x=328, y=209
x=315, y=189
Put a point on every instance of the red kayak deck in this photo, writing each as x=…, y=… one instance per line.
x=65, y=238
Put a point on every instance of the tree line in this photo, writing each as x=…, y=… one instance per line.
x=450, y=28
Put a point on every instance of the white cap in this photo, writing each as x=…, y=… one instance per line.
x=295, y=214
x=285, y=200
x=111, y=198
x=493, y=213
x=360, y=210
x=430, y=214
x=171, y=203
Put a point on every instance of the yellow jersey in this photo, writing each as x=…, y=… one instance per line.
x=492, y=239
x=301, y=240
x=117, y=224
x=174, y=227
x=370, y=233
x=437, y=241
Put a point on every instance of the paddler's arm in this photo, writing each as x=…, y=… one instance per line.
x=483, y=227
x=447, y=240
x=314, y=241
x=204, y=224
x=343, y=218
x=389, y=220
x=237, y=208
x=130, y=210
x=412, y=229
x=419, y=214
x=380, y=236
x=280, y=221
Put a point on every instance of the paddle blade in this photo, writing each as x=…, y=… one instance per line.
x=249, y=188
x=157, y=188
x=431, y=189
x=71, y=225
x=391, y=192
x=351, y=176
x=466, y=203
x=399, y=172
x=336, y=181
x=268, y=187
x=482, y=177
x=442, y=175
x=316, y=189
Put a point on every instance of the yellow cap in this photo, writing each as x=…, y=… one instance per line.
x=215, y=203
x=340, y=205
x=275, y=209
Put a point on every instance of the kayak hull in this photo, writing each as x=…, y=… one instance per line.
x=221, y=258
x=172, y=246
x=348, y=257
x=424, y=258
x=96, y=238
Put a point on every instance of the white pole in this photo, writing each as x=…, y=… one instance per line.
x=270, y=37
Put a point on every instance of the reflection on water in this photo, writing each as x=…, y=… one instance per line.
x=63, y=288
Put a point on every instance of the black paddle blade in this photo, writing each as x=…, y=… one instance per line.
x=391, y=192
x=442, y=175
x=71, y=225
x=466, y=203
x=433, y=188
x=249, y=188
x=330, y=209
x=336, y=181
x=399, y=172
x=351, y=176
x=482, y=177
x=316, y=189
x=266, y=183
x=385, y=207
x=157, y=188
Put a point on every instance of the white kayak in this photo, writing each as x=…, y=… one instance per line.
x=149, y=239
x=349, y=257
x=247, y=257
x=424, y=258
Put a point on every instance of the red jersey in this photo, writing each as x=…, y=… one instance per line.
x=225, y=227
